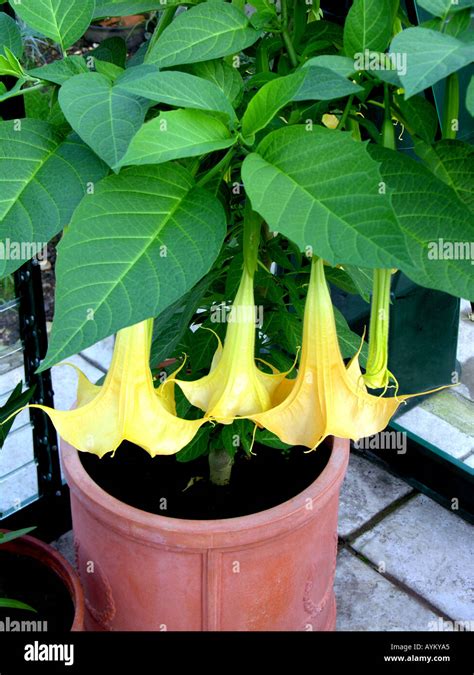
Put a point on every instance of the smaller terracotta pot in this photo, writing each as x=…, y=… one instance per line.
x=30, y=547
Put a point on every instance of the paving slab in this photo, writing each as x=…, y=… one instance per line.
x=367, y=601
x=101, y=352
x=430, y=550
x=367, y=489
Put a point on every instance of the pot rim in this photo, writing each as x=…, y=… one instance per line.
x=270, y=523
x=48, y=556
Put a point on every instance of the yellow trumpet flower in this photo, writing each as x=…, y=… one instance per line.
x=126, y=406
x=326, y=398
x=235, y=387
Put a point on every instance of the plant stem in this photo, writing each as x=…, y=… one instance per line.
x=388, y=132
x=343, y=120
x=286, y=35
x=220, y=466
x=451, y=106
x=166, y=19
x=220, y=167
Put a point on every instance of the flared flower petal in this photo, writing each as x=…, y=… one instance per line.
x=126, y=406
x=235, y=386
x=326, y=398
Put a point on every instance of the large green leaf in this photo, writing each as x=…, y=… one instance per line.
x=43, y=178
x=309, y=84
x=208, y=31
x=227, y=78
x=176, y=134
x=174, y=88
x=431, y=56
x=60, y=71
x=368, y=26
x=320, y=188
x=452, y=162
x=104, y=116
x=136, y=245
x=428, y=211
x=442, y=7
x=63, y=21
x=10, y=35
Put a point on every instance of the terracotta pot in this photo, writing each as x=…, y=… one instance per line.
x=31, y=547
x=271, y=570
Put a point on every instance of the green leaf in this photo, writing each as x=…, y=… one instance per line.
x=349, y=342
x=470, y=97
x=273, y=96
x=172, y=324
x=60, y=71
x=197, y=447
x=61, y=20
x=129, y=7
x=363, y=280
x=305, y=85
x=227, y=78
x=342, y=65
x=323, y=85
x=43, y=178
x=208, y=31
x=431, y=56
x=10, y=35
x=428, y=211
x=442, y=7
x=104, y=116
x=113, y=50
x=15, y=604
x=264, y=437
x=174, y=88
x=452, y=162
x=368, y=26
x=9, y=64
x=143, y=229
x=320, y=188
x=421, y=117
x=15, y=401
x=109, y=70
x=5, y=537
x=237, y=435
x=175, y=134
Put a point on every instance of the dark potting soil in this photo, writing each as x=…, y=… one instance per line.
x=164, y=486
x=25, y=579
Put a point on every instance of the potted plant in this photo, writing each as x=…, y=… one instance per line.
x=216, y=188
x=47, y=594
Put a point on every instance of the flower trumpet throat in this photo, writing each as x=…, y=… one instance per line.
x=326, y=398
x=126, y=406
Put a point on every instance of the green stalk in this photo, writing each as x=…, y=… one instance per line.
x=220, y=466
x=220, y=167
x=252, y=227
x=286, y=35
x=451, y=106
x=377, y=374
